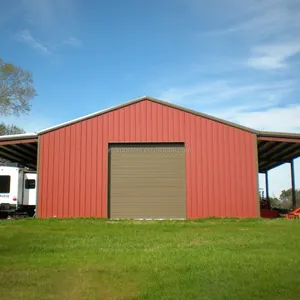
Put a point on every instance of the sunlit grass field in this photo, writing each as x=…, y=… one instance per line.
x=100, y=259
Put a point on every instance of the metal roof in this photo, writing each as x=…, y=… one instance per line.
x=149, y=98
x=276, y=148
x=275, y=151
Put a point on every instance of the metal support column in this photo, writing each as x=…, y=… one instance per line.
x=293, y=184
x=267, y=188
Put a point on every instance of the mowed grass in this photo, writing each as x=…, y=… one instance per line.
x=99, y=259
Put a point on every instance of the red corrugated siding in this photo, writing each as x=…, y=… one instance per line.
x=220, y=162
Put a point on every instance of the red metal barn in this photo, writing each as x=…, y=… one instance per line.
x=147, y=159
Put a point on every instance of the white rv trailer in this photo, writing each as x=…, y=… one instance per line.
x=17, y=190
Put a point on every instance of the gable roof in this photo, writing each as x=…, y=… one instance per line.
x=196, y=113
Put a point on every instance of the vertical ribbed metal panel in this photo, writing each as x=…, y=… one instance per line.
x=220, y=161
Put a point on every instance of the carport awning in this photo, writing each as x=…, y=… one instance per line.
x=275, y=149
x=20, y=148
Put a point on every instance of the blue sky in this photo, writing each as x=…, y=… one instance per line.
x=238, y=60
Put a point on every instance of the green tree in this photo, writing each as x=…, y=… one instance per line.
x=288, y=194
x=286, y=198
x=16, y=89
x=10, y=129
x=16, y=92
x=274, y=202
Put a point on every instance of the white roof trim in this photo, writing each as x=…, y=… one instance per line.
x=17, y=136
x=91, y=115
x=278, y=134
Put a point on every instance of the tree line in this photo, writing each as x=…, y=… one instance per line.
x=284, y=201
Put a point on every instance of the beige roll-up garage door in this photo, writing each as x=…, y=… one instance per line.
x=147, y=181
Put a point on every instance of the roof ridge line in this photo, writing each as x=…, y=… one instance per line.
x=149, y=98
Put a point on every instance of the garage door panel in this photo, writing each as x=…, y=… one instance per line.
x=147, y=182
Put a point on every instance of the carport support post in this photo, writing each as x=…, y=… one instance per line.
x=293, y=184
x=267, y=188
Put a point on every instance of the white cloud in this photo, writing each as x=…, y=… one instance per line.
x=254, y=105
x=226, y=93
x=285, y=119
x=269, y=29
x=261, y=19
x=54, y=20
x=273, y=56
x=26, y=37
x=266, y=22
x=49, y=14
x=72, y=41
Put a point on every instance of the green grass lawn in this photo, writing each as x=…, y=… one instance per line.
x=97, y=259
